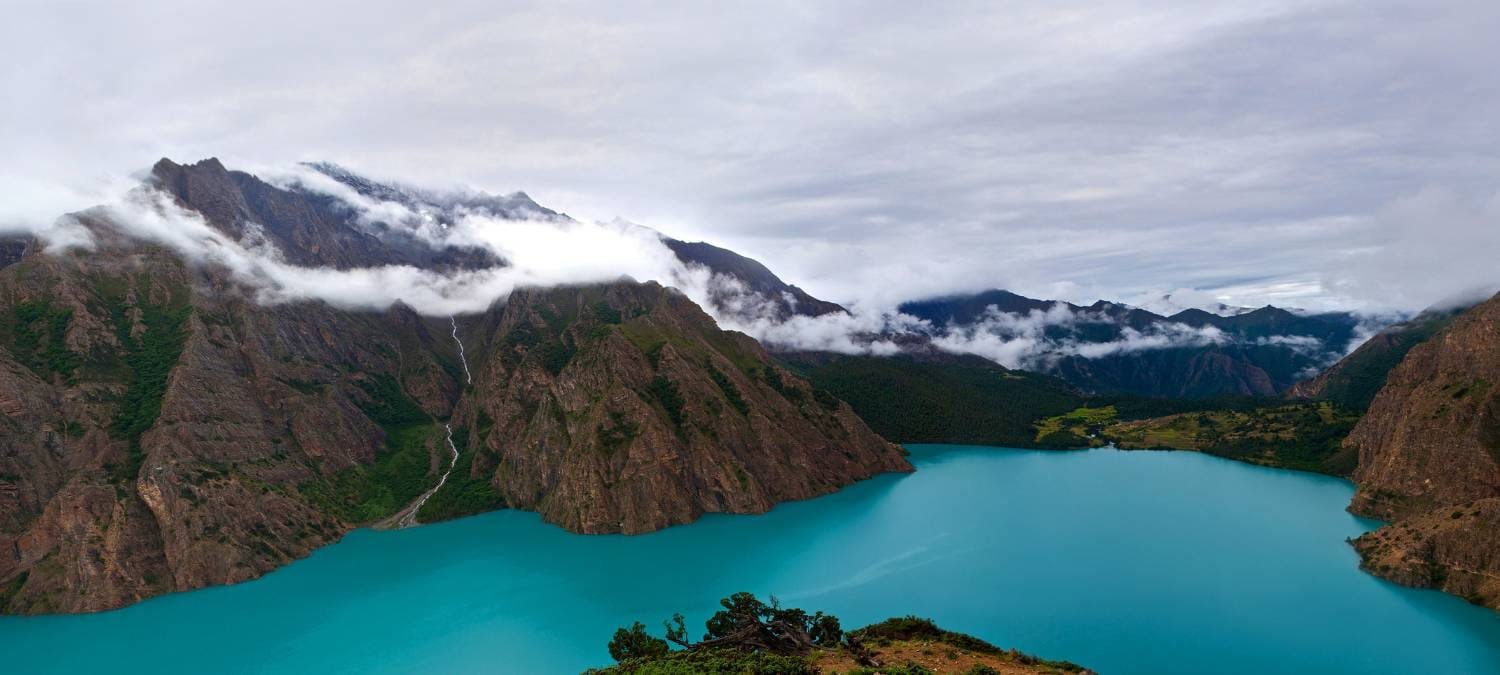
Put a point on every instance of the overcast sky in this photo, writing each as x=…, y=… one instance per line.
x=1300, y=153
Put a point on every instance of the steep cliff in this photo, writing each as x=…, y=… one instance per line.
x=1429, y=459
x=623, y=408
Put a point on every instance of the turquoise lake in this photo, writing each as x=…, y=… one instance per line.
x=1126, y=562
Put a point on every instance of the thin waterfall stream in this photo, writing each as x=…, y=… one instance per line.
x=407, y=517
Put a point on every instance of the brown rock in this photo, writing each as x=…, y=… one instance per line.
x=264, y=442
x=1429, y=460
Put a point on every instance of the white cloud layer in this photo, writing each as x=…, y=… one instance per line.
x=1253, y=152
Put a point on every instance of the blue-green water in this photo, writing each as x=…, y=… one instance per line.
x=1141, y=562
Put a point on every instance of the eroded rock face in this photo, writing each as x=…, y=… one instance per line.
x=656, y=417
x=160, y=431
x=1432, y=435
x=1429, y=460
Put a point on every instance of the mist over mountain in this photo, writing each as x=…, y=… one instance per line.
x=1109, y=347
x=323, y=232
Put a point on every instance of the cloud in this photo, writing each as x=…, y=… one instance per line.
x=1246, y=150
x=1030, y=341
x=1436, y=246
x=539, y=253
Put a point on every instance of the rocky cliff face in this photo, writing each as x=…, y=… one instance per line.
x=624, y=409
x=161, y=431
x=1429, y=459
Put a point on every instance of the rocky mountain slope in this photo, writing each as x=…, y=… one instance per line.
x=1429, y=460
x=160, y=430
x=1355, y=379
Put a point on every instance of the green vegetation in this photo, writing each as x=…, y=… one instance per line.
x=1074, y=428
x=38, y=338
x=483, y=425
x=306, y=386
x=751, y=636
x=731, y=392
x=1304, y=436
x=970, y=401
x=712, y=662
x=635, y=643
x=908, y=401
x=463, y=494
x=389, y=406
x=400, y=473
x=605, y=314
x=556, y=354
x=149, y=359
x=650, y=339
x=1354, y=381
x=617, y=434
x=665, y=392
x=365, y=493
x=10, y=588
x=1489, y=427
x=772, y=376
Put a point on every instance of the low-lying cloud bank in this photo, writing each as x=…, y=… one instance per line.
x=1036, y=340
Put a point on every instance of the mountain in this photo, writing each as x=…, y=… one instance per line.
x=756, y=283
x=1111, y=348
x=1354, y=381
x=308, y=228
x=742, y=285
x=1429, y=460
x=968, y=309
x=161, y=430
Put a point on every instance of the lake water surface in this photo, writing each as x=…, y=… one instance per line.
x=1126, y=562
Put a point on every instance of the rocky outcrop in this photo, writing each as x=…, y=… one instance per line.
x=1431, y=437
x=1456, y=549
x=1429, y=460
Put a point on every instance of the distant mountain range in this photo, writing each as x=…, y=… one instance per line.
x=1109, y=347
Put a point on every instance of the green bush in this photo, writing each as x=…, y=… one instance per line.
x=731, y=392
x=150, y=359
x=636, y=643
x=666, y=393
x=606, y=314
x=556, y=354
x=38, y=334
x=773, y=378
